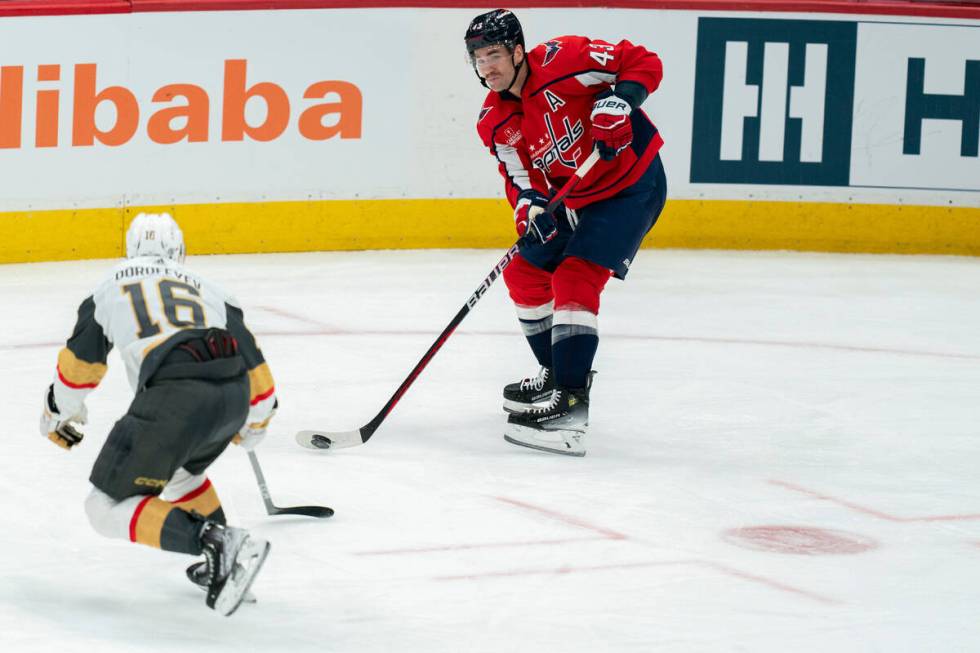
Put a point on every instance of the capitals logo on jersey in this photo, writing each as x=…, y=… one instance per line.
x=557, y=145
x=551, y=51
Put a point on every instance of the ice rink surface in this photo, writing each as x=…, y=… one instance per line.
x=784, y=456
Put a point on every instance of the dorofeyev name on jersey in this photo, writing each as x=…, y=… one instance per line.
x=140, y=271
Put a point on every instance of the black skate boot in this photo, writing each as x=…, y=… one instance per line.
x=234, y=559
x=521, y=396
x=559, y=427
x=197, y=573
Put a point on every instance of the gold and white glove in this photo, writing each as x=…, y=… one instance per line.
x=252, y=433
x=59, y=428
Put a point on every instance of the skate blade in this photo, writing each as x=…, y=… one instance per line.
x=248, y=597
x=569, y=444
x=248, y=562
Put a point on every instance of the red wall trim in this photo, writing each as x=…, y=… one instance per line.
x=63, y=7
x=969, y=9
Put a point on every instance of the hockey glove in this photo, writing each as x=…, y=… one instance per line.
x=612, y=130
x=57, y=427
x=534, y=222
x=254, y=432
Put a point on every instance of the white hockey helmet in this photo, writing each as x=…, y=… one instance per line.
x=155, y=234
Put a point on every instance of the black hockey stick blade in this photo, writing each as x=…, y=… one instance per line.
x=320, y=512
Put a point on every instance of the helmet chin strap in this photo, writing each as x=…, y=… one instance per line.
x=517, y=70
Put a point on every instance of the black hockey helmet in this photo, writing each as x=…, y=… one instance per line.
x=497, y=27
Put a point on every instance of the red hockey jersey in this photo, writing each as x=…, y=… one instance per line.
x=540, y=138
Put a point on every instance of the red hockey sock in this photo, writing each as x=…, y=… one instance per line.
x=575, y=335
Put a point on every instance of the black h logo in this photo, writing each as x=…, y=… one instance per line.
x=773, y=101
x=920, y=105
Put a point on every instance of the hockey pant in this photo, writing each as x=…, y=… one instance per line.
x=171, y=521
x=558, y=313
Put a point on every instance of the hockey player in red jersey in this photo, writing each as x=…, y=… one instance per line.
x=547, y=109
x=200, y=382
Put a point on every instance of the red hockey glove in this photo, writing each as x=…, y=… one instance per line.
x=532, y=219
x=612, y=131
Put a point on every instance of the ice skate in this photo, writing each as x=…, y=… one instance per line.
x=197, y=573
x=521, y=396
x=234, y=559
x=559, y=427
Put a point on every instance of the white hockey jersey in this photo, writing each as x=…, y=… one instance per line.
x=140, y=304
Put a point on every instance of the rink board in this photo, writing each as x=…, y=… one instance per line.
x=341, y=225
x=833, y=132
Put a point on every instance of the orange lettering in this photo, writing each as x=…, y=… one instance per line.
x=46, y=113
x=348, y=111
x=84, y=130
x=233, y=123
x=336, y=109
x=195, y=112
x=11, y=101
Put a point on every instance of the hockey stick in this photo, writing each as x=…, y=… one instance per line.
x=341, y=439
x=309, y=511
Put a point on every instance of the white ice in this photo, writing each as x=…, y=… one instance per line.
x=768, y=392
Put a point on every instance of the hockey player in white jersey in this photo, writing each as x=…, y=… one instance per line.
x=200, y=382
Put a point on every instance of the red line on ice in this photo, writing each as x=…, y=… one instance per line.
x=573, y=521
x=871, y=511
x=464, y=547
x=731, y=571
x=299, y=318
x=725, y=569
x=559, y=570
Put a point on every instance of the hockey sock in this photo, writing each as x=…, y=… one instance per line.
x=204, y=501
x=573, y=350
x=159, y=524
x=194, y=493
x=575, y=335
x=536, y=322
x=530, y=289
x=147, y=520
